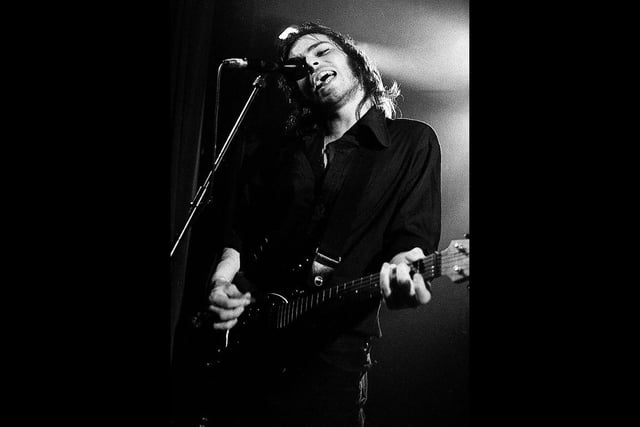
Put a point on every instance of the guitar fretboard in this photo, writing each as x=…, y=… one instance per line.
x=367, y=287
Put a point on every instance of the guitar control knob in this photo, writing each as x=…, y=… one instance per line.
x=195, y=321
x=318, y=281
x=198, y=320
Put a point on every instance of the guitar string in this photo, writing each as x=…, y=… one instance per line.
x=289, y=312
x=294, y=309
x=358, y=284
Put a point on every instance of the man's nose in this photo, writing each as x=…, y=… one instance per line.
x=312, y=64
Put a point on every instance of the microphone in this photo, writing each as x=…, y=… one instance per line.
x=295, y=67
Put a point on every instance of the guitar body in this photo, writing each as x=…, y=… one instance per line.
x=252, y=335
x=273, y=331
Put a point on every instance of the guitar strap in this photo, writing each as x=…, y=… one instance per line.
x=331, y=246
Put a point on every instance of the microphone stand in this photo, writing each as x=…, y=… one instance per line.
x=195, y=206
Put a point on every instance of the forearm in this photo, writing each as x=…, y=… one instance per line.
x=226, y=301
x=228, y=265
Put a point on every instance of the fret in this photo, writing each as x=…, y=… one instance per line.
x=429, y=267
x=288, y=316
x=284, y=315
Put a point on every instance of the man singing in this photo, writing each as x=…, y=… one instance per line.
x=359, y=190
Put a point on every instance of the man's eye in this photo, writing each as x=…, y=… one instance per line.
x=324, y=52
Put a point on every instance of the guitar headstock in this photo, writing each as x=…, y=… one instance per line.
x=455, y=261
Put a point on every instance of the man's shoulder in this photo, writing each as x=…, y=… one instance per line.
x=407, y=129
x=404, y=123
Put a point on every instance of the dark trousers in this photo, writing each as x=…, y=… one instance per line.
x=316, y=393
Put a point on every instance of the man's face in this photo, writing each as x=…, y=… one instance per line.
x=330, y=81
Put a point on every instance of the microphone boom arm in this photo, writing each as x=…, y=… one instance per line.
x=203, y=191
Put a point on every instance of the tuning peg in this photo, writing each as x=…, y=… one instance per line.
x=460, y=248
x=459, y=270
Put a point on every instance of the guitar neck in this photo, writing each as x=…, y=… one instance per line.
x=364, y=287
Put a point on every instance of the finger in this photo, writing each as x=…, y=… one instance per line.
x=384, y=279
x=225, y=325
x=220, y=299
x=225, y=314
x=423, y=295
x=228, y=288
x=414, y=255
x=233, y=291
x=403, y=279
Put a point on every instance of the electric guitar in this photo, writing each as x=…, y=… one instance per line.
x=273, y=312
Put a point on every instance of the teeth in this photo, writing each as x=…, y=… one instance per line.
x=323, y=77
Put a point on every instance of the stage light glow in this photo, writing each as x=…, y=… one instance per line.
x=439, y=66
x=289, y=30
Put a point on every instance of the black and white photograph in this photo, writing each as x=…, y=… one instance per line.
x=319, y=213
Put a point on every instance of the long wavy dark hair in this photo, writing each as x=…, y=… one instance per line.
x=302, y=115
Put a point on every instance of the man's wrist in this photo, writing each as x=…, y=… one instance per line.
x=227, y=267
x=219, y=280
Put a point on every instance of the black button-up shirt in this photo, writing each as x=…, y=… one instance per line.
x=291, y=196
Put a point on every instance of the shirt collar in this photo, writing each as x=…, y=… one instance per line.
x=373, y=120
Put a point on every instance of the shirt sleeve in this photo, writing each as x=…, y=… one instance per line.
x=416, y=221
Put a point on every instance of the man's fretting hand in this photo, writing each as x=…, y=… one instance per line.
x=399, y=288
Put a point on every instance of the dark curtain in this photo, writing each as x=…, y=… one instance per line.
x=191, y=40
x=192, y=43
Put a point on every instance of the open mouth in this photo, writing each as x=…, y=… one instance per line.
x=322, y=79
